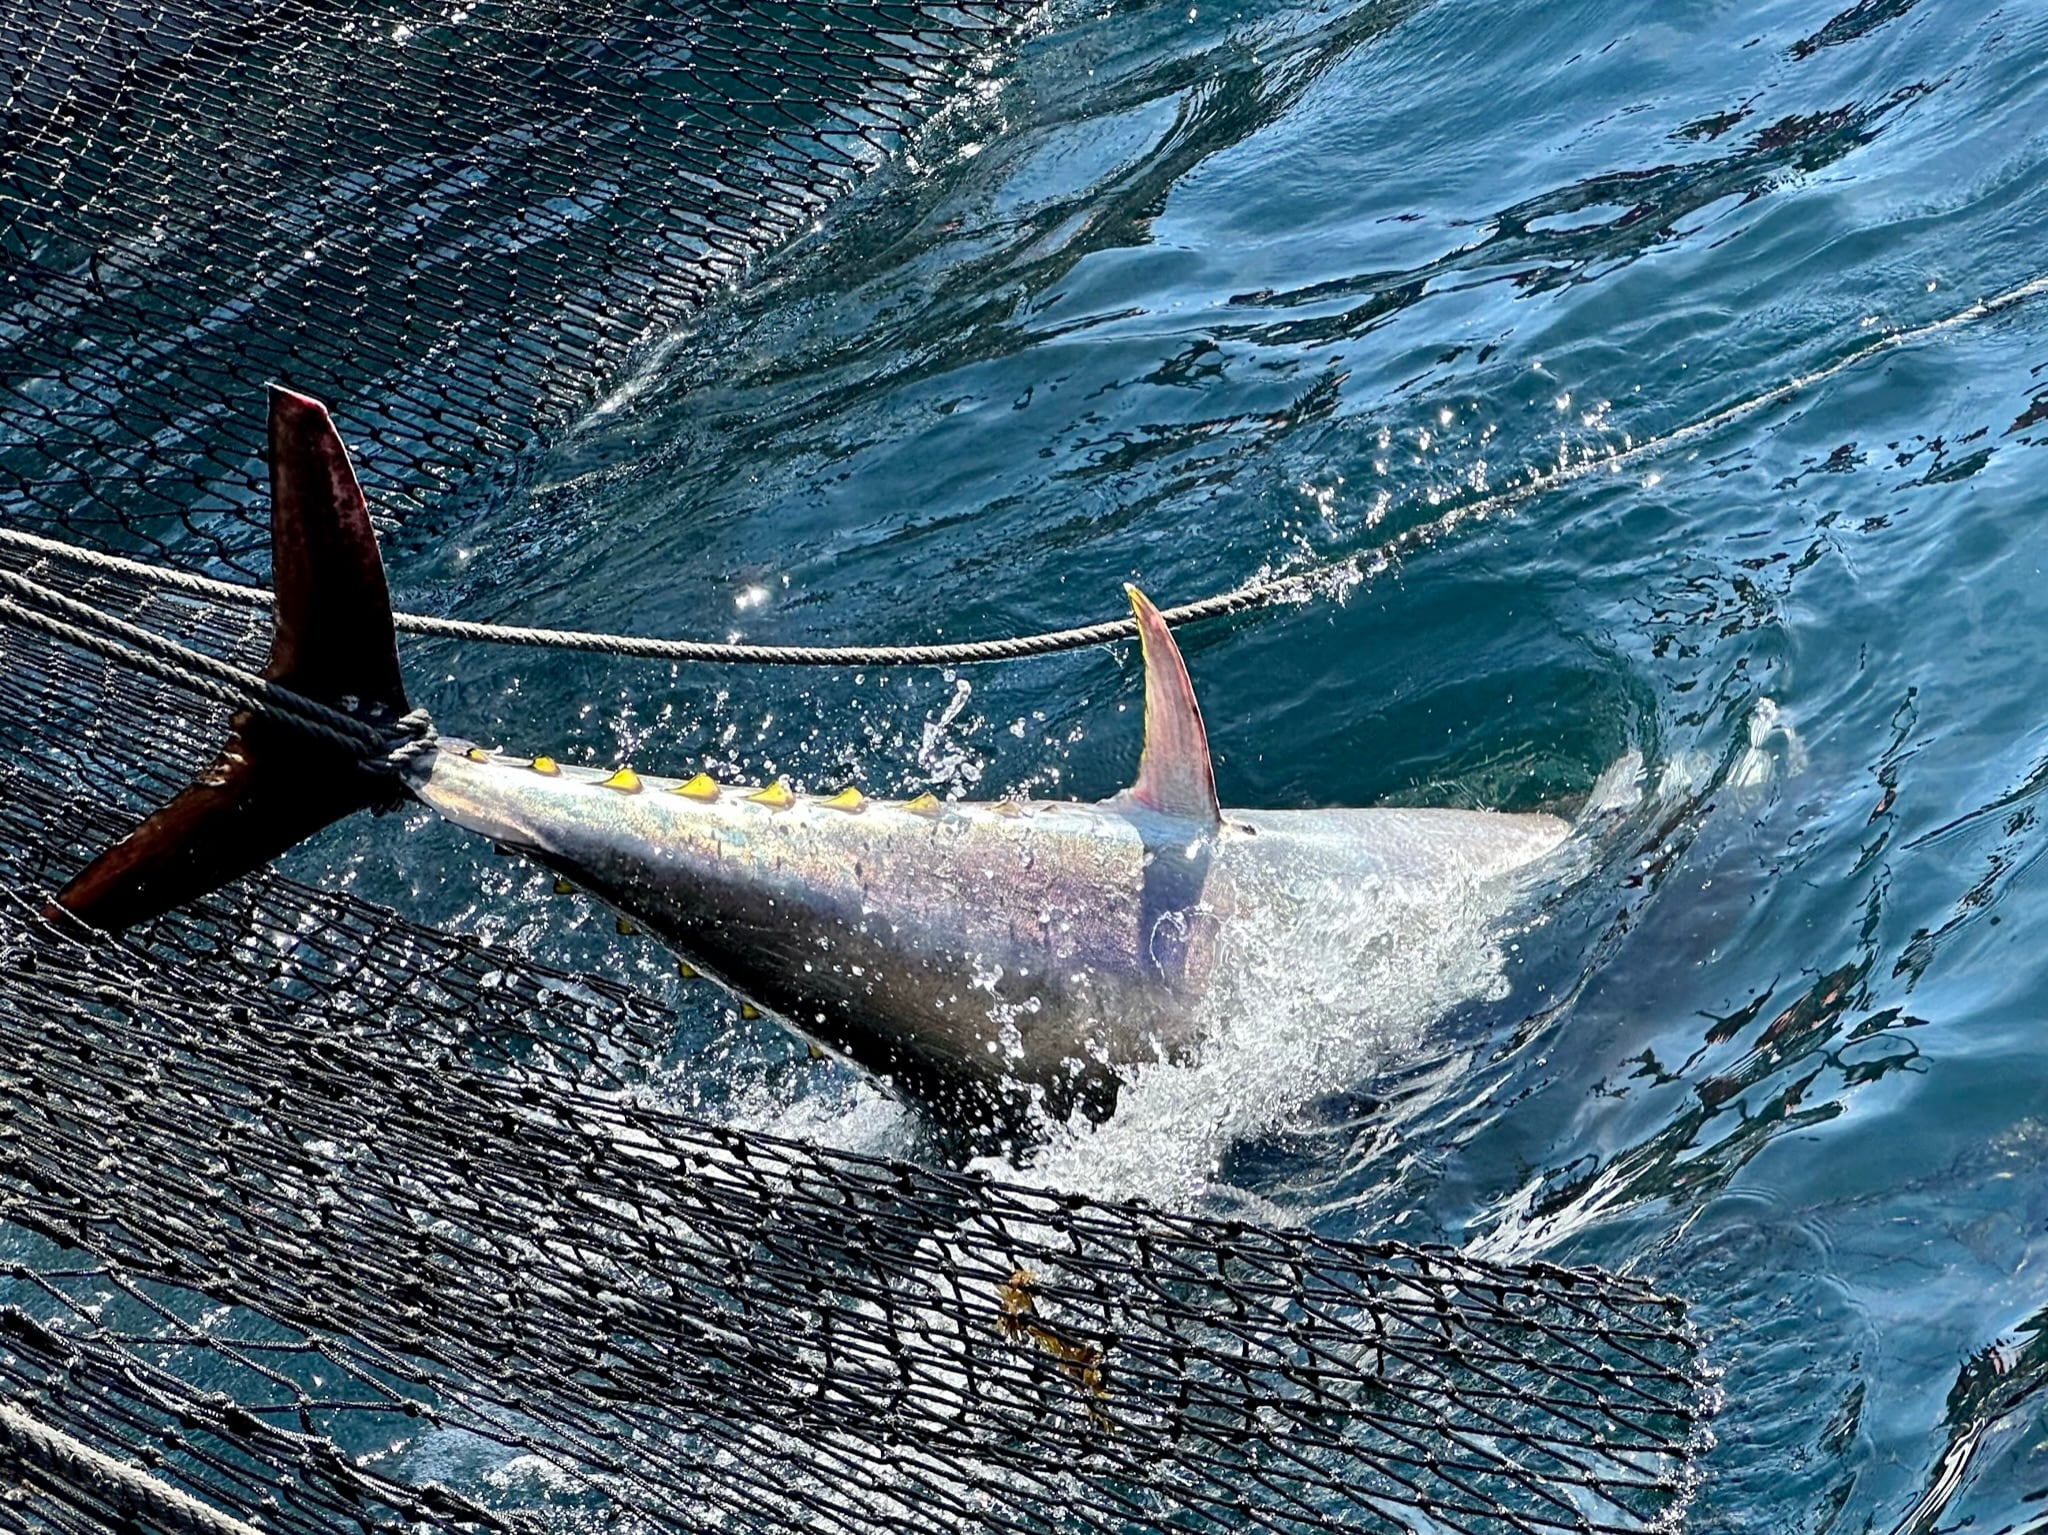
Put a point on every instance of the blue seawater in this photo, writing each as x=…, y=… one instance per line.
x=1621, y=320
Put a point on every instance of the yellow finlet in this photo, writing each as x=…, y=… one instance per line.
x=776, y=796
x=1007, y=807
x=686, y=970
x=547, y=766
x=626, y=927
x=625, y=780
x=563, y=887
x=816, y=1054
x=926, y=804
x=848, y=799
x=748, y=1010
x=477, y=754
x=702, y=787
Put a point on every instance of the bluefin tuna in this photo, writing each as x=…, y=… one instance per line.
x=987, y=960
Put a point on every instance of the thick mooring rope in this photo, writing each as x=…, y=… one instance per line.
x=1261, y=592
x=114, y=1483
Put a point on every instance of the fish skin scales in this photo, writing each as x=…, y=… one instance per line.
x=977, y=956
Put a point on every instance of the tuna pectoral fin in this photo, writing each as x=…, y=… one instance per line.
x=272, y=787
x=1174, y=775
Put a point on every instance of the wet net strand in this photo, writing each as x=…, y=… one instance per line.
x=82, y=1481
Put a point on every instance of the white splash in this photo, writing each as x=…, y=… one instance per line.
x=853, y=1115
x=1316, y=988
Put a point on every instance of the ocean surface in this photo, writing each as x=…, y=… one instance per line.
x=1598, y=354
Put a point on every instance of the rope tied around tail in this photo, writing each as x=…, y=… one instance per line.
x=413, y=739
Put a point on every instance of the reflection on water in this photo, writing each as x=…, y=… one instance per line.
x=1189, y=294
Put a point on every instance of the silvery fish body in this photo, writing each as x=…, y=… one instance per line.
x=975, y=957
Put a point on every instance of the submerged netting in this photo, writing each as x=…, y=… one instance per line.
x=314, y=1219
x=452, y=219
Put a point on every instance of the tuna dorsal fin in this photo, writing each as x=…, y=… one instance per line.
x=1174, y=775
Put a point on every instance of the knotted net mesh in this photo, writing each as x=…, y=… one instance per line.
x=312, y=1218
x=454, y=219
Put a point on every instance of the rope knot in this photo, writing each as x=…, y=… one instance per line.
x=413, y=738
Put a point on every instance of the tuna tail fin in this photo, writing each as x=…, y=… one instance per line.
x=273, y=786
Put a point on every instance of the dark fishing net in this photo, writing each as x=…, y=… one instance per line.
x=314, y=1219
x=455, y=220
